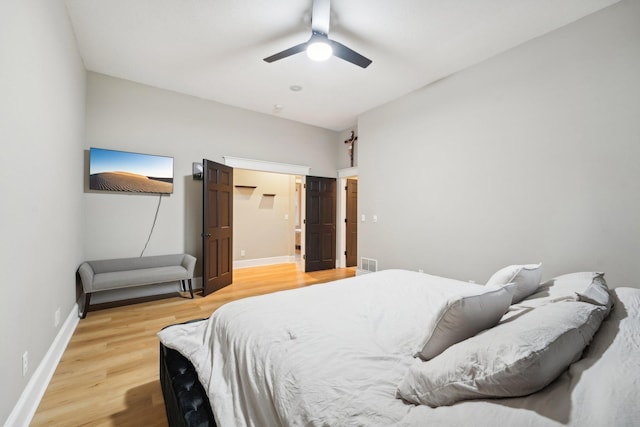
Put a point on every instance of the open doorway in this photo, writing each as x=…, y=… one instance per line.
x=242, y=257
x=281, y=218
x=266, y=218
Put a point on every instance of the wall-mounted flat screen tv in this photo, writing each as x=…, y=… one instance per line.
x=111, y=170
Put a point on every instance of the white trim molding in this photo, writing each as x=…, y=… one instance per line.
x=27, y=405
x=347, y=172
x=244, y=263
x=264, y=166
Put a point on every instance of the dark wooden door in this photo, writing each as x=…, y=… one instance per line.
x=352, y=223
x=320, y=224
x=217, y=226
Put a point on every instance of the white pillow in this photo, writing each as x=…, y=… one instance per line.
x=520, y=280
x=597, y=292
x=517, y=357
x=588, y=286
x=463, y=316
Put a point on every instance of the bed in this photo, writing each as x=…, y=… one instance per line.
x=411, y=349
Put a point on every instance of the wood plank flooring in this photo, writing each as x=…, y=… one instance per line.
x=108, y=375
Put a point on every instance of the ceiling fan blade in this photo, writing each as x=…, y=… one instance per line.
x=287, y=52
x=320, y=16
x=349, y=55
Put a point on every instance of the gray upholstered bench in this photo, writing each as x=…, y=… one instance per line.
x=103, y=275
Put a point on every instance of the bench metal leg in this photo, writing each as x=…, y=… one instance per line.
x=183, y=286
x=85, y=309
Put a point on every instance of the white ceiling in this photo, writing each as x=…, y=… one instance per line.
x=213, y=49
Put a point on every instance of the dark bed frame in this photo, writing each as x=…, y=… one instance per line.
x=185, y=400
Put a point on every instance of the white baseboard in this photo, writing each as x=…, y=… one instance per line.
x=27, y=405
x=244, y=263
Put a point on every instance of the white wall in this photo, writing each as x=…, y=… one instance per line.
x=42, y=82
x=123, y=115
x=263, y=226
x=530, y=156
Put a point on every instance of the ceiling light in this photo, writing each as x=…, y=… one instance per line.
x=319, y=51
x=295, y=88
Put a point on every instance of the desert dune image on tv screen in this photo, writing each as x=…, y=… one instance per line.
x=112, y=170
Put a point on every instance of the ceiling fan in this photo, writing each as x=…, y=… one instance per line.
x=320, y=47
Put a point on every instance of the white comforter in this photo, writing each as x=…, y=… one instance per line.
x=334, y=354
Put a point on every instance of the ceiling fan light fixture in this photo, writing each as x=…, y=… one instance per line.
x=319, y=51
x=320, y=47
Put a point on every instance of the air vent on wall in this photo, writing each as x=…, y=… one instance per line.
x=367, y=265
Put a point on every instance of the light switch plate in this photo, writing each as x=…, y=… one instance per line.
x=197, y=170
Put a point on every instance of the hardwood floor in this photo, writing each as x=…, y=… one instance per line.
x=108, y=375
